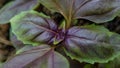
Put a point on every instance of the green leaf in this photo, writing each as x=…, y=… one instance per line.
x=15, y=7
x=1, y=64
x=38, y=57
x=92, y=44
x=98, y=11
x=31, y=28
x=88, y=66
x=112, y=64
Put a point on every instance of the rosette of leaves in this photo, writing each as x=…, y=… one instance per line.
x=90, y=43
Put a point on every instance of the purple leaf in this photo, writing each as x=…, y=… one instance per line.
x=15, y=42
x=15, y=7
x=98, y=11
x=91, y=44
x=38, y=57
x=31, y=28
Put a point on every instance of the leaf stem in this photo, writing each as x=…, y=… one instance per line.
x=68, y=24
x=70, y=14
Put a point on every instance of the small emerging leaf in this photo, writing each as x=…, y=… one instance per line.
x=92, y=44
x=38, y=57
x=15, y=7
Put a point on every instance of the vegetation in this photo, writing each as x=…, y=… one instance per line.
x=49, y=43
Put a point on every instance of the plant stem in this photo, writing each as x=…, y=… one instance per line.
x=69, y=20
x=68, y=24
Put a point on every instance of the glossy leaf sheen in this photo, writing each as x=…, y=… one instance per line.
x=38, y=57
x=15, y=7
x=91, y=44
x=31, y=28
x=98, y=11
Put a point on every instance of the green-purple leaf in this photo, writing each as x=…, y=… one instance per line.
x=38, y=57
x=15, y=42
x=112, y=64
x=15, y=7
x=98, y=11
x=31, y=28
x=92, y=44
